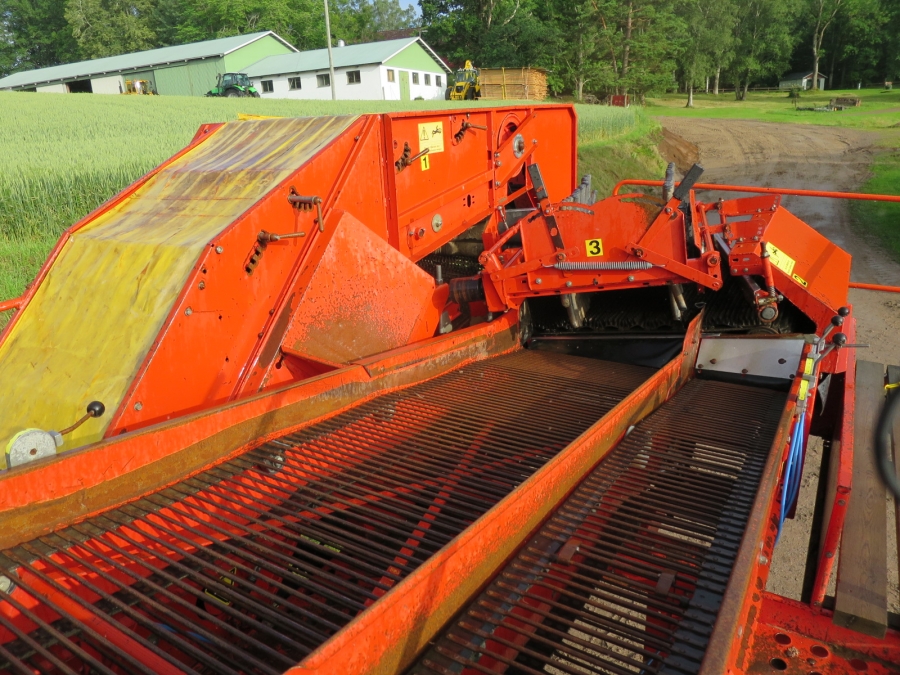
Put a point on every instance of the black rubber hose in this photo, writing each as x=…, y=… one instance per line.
x=883, y=445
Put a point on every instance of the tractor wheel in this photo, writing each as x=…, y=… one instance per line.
x=232, y=93
x=447, y=93
x=470, y=94
x=255, y=94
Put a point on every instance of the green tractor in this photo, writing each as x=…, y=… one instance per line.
x=233, y=85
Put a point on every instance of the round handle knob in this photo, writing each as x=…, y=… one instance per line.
x=844, y=311
x=839, y=339
x=837, y=320
x=96, y=409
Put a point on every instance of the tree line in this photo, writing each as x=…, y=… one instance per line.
x=590, y=47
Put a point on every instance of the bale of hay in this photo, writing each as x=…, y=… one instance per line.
x=500, y=84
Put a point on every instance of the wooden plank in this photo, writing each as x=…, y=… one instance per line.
x=893, y=377
x=861, y=597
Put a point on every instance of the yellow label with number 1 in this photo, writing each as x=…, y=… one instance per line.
x=426, y=163
x=593, y=247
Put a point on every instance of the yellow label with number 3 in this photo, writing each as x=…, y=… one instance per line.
x=593, y=247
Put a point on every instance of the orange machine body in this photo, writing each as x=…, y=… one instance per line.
x=390, y=189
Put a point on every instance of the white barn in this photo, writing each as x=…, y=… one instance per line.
x=393, y=70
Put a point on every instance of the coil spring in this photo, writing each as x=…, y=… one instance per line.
x=623, y=266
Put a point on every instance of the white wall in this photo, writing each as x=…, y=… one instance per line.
x=372, y=87
x=429, y=93
x=369, y=87
x=53, y=89
x=107, y=85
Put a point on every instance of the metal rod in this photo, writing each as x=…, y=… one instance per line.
x=768, y=190
x=870, y=287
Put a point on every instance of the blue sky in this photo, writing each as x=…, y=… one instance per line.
x=409, y=3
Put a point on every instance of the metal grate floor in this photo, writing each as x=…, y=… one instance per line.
x=251, y=565
x=628, y=574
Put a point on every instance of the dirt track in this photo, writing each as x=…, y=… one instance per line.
x=745, y=152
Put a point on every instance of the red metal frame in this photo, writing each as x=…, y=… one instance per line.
x=768, y=190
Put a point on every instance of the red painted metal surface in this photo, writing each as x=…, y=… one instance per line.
x=13, y=303
x=790, y=637
x=838, y=498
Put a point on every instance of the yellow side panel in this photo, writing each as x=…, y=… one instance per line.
x=94, y=318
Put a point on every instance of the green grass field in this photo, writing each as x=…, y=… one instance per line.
x=62, y=156
x=879, y=109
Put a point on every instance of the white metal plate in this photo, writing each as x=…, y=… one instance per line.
x=777, y=357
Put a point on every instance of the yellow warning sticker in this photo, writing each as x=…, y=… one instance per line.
x=431, y=137
x=780, y=259
x=800, y=280
x=426, y=163
x=593, y=247
x=804, y=384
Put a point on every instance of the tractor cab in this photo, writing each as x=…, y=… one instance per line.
x=233, y=85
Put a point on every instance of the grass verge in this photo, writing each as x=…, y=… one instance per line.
x=881, y=220
x=879, y=109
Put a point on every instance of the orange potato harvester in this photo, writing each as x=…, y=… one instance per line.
x=397, y=393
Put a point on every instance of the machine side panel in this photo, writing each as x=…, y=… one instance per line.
x=229, y=303
x=817, y=270
x=106, y=297
x=465, y=175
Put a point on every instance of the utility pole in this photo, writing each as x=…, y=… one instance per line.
x=330, y=56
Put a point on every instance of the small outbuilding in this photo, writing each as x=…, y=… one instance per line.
x=801, y=80
x=185, y=70
x=392, y=70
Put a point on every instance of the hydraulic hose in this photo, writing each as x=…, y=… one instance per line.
x=883, y=444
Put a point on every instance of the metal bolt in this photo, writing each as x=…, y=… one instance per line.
x=830, y=554
x=534, y=140
x=421, y=232
x=537, y=281
x=219, y=249
x=755, y=238
x=437, y=222
x=498, y=163
x=496, y=155
x=201, y=285
x=6, y=584
x=746, y=269
x=763, y=560
x=734, y=270
x=713, y=361
x=744, y=371
x=630, y=277
x=841, y=502
x=668, y=209
x=568, y=284
x=188, y=311
x=496, y=183
x=138, y=406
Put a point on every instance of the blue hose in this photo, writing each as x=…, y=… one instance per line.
x=792, y=474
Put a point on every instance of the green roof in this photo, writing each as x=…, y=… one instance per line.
x=348, y=56
x=134, y=61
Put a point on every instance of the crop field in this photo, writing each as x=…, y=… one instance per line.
x=61, y=155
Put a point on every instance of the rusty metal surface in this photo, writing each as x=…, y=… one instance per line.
x=627, y=576
x=248, y=567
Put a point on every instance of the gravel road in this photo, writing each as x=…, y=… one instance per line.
x=746, y=152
